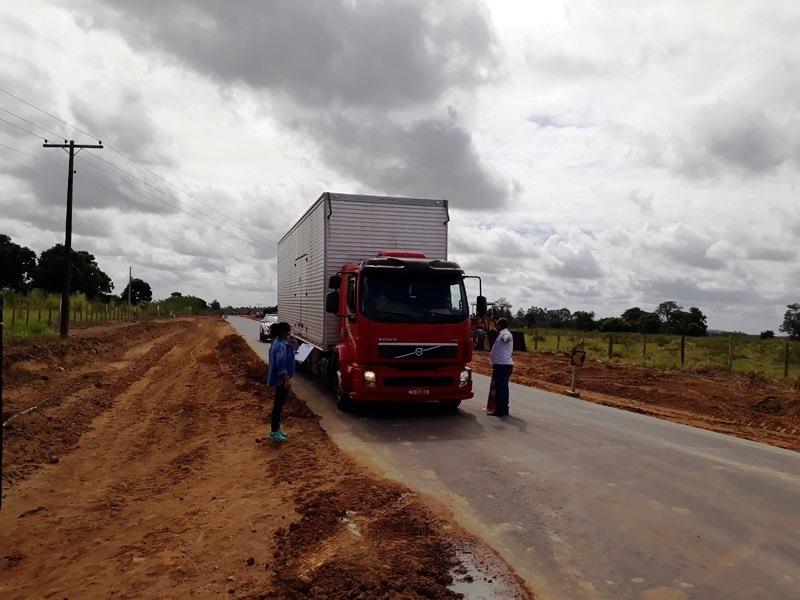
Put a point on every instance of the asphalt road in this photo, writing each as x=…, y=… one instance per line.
x=588, y=501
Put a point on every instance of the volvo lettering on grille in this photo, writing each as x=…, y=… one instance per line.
x=418, y=351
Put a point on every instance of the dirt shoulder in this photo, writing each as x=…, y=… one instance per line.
x=734, y=404
x=146, y=473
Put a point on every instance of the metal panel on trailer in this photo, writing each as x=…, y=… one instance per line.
x=301, y=276
x=343, y=228
x=359, y=227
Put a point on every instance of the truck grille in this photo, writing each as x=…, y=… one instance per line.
x=417, y=351
x=417, y=381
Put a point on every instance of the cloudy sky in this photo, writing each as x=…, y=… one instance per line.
x=596, y=154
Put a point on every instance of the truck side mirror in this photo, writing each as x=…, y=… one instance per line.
x=334, y=281
x=480, y=306
x=332, y=302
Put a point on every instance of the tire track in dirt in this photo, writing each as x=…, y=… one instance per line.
x=70, y=383
x=172, y=492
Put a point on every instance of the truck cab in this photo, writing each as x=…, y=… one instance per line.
x=404, y=330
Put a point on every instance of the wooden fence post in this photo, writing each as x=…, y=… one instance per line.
x=50, y=315
x=644, y=347
x=610, y=345
x=39, y=317
x=730, y=353
x=535, y=339
x=683, y=351
x=786, y=361
x=27, y=315
x=13, y=315
x=558, y=342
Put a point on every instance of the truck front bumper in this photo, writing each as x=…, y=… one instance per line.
x=394, y=385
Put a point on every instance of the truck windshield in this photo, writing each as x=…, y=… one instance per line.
x=436, y=298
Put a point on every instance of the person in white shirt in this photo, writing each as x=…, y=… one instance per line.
x=502, y=365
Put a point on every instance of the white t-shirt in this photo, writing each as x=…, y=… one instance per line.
x=502, y=348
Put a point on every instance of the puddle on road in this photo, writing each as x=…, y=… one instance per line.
x=481, y=576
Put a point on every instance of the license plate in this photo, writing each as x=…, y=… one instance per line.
x=419, y=392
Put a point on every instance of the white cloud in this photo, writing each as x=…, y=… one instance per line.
x=596, y=155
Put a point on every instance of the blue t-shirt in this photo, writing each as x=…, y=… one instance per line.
x=281, y=362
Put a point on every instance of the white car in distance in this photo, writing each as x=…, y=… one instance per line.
x=264, y=325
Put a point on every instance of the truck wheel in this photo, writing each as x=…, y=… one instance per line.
x=261, y=337
x=450, y=404
x=343, y=402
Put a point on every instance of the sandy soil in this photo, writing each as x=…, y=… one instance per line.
x=729, y=403
x=145, y=473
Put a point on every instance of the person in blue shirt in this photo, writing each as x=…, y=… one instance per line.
x=279, y=375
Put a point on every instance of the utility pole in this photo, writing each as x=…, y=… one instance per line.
x=68, y=235
x=130, y=284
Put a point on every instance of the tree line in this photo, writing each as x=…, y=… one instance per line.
x=668, y=317
x=22, y=271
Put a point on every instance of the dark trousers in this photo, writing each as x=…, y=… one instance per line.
x=501, y=374
x=281, y=393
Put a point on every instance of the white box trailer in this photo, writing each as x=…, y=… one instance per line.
x=344, y=228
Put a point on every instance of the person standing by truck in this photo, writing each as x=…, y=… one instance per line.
x=279, y=376
x=502, y=365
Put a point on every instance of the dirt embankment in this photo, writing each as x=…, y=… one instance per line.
x=729, y=403
x=160, y=482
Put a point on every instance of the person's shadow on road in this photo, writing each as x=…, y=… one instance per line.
x=520, y=424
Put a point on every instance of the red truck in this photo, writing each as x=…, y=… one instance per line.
x=367, y=287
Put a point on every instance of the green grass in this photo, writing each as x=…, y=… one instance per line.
x=36, y=315
x=30, y=332
x=751, y=355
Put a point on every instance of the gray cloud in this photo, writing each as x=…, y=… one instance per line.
x=733, y=137
x=429, y=158
x=691, y=292
x=567, y=66
x=571, y=262
x=380, y=54
x=642, y=201
x=683, y=245
x=126, y=121
x=772, y=253
x=348, y=81
x=92, y=188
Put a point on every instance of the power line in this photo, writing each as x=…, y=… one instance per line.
x=33, y=156
x=96, y=166
x=41, y=110
x=178, y=223
x=109, y=187
x=59, y=136
x=168, y=182
x=187, y=205
x=178, y=206
x=23, y=129
x=134, y=161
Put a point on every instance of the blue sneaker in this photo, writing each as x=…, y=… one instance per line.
x=283, y=434
x=276, y=436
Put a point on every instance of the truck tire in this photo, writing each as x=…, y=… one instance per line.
x=450, y=404
x=343, y=402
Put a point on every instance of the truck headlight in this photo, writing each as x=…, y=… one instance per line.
x=370, y=379
x=463, y=379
